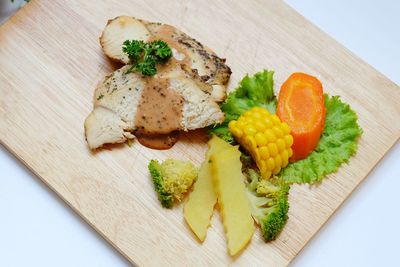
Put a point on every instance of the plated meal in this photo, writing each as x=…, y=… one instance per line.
x=260, y=142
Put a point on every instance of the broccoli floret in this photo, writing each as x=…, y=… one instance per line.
x=269, y=203
x=172, y=179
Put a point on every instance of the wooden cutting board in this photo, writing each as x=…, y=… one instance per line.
x=51, y=60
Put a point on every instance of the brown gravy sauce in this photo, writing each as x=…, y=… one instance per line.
x=159, y=111
x=159, y=114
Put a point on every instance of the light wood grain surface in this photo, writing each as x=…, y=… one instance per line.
x=50, y=62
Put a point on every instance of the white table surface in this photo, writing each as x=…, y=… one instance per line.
x=38, y=229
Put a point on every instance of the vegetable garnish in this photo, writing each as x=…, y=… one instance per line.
x=144, y=56
x=228, y=178
x=257, y=90
x=200, y=205
x=337, y=144
x=269, y=203
x=338, y=141
x=301, y=105
x=172, y=179
x=265, y=137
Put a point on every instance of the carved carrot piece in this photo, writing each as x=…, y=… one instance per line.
x=301, y=106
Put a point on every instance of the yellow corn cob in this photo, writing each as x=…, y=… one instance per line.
x=265, y=137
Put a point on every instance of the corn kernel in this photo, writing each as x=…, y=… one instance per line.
x=290, y=152
x=251, y=142
x=260, y=126
x=273, y=149
x=278, y=160
x=269, y=134
x=271, y=163
x=247, y=114
x=276, y=170
x=260, y=139
x=285, y=128
x=256, y=109
x=240, y=124
x=277, y=131
x=288, y=140
x=249, y=121
x=256, y=115
x=267, y=174
x=264, y=153
x=280, y=144
x=275, y=120
x=263, y=166
x=268, y=122
x=250, y=130
x=285, y=158
x=237, y=132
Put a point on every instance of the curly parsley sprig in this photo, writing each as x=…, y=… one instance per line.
x=145, y=56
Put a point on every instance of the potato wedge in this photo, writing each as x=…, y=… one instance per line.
x=200, y=205
x=226, y=169
x=117, y=31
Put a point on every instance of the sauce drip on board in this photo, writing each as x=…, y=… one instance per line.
x=159, y=141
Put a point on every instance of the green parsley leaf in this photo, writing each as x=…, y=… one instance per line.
x=147, y=68
x=144, y=56
x=133, y=49
x=162, y=51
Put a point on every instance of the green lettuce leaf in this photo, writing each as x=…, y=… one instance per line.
x=338, y=143
x=256, y=90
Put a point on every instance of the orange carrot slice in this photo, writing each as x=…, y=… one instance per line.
x=301, y=106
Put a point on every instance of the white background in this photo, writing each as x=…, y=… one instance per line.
x=38, y=229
